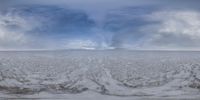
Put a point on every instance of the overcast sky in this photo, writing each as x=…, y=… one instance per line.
x=100, y=24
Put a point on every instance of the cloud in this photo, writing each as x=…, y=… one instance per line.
x=12, y=31
x=80, y=44
x=56, y=20
x=124, y=23
x=174, y=29
x=50, y=25
x=154, y=28
x=35, y=26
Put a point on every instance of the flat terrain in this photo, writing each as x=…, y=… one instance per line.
x=97, y=75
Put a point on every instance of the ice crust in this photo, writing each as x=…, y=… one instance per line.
x=117, y=73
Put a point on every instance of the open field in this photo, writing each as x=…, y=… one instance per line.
x=111, y=74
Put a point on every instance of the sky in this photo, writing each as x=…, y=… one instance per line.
x=100, y=24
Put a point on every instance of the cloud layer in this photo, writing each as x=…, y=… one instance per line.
x=136, y=26
x=35, y=26
x=176, y=29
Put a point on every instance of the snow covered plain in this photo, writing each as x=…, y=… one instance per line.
x=100, y=75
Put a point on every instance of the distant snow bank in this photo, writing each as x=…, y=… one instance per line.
x=116, y=73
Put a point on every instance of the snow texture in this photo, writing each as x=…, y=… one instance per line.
x=114, y=73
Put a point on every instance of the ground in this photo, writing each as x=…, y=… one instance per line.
x=107, y=75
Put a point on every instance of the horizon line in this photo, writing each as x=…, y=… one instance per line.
x=117, y=49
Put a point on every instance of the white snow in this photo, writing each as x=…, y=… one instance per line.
x=112, y=74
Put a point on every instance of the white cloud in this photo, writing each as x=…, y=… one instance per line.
x=80, y=44
x=167, y=29
x=89, y=44
x=9, y=36
x=13, y=30
x=173, y=29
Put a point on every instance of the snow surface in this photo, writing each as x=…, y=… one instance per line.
x=112, y=74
